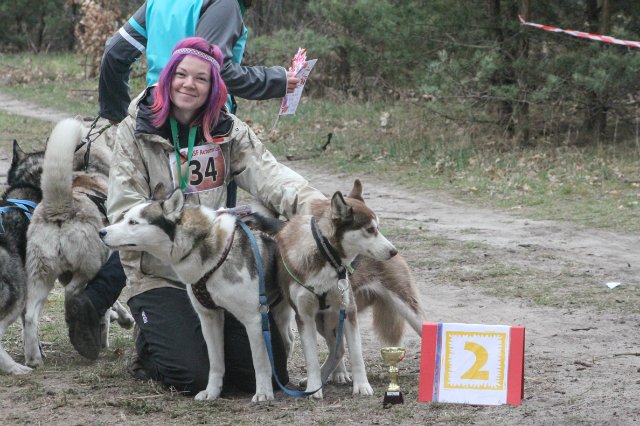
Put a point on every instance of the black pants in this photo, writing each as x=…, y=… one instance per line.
x=171, y=345
x=105, y=288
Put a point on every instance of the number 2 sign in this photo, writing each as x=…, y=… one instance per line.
x=472, y=364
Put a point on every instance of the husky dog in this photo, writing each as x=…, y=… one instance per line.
x=62, y=240
x=308, y=273
x=23, y=183
x=213, y=257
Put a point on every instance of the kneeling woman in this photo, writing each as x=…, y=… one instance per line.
x=177, y=133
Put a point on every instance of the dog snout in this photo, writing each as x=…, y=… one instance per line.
x=392, y=252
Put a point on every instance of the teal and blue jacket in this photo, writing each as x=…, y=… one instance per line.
x=157, y=26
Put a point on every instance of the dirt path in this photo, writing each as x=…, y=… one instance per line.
x=15, y=106
x=581, y=366
x=575, y=370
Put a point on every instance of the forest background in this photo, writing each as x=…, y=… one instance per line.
x=523, y=82
x=457, y=90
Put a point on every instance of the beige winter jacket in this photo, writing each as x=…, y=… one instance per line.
x=141, y=161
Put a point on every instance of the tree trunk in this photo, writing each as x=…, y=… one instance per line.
x=343, y=70
x=598, y=18
x=522, y=108
x=39, y=35
x=505, y=75
x=75, y=17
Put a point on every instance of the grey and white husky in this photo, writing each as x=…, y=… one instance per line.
x=207, y=251
x=23, y=183
x=309, y=280
x=62, y=239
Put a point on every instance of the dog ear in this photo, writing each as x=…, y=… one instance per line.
x=159, y=193
x=356, y=191
x=340, y=210
x=172, y=206
x=18, y=153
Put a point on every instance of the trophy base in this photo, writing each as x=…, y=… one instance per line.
x=392, y=398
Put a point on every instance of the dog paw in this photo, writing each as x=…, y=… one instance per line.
x=207, y=395
x=341, y=377
x=125, y=322
x=362, y=389
x=33, y=362
x=317, y=395
x=18, y=369
x=261, y=397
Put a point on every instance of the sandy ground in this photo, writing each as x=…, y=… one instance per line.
x=581, y=366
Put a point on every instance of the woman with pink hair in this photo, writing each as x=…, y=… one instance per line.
x=178, y=133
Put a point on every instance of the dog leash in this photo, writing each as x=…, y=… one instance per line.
x=264, y=313
x=341, y=316
x=89, y=138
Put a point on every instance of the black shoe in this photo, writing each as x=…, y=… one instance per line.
x=137, y=369
x=84, y=326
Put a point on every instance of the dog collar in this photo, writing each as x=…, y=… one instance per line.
x=327, y=250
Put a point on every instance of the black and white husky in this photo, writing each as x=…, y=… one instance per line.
x=206, y=249
x=23, y=183
x=312, y=252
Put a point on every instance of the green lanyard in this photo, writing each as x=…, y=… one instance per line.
x=183, y=179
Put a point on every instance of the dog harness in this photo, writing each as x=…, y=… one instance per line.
x=322, y=298
x=99, y=199
x=331, y=255
x=199, y=289
x=26, y=206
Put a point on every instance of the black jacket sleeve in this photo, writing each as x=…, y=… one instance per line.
x=121, y=50
x=221, y=24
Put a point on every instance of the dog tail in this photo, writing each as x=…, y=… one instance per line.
x=269, y=225
x=57, y=170
x=394, y=301
x=388, y=325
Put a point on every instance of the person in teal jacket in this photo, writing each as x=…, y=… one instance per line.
x=154, y=30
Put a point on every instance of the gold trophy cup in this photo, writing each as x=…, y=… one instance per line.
x=392, y=356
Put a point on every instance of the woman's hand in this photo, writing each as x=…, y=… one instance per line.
x=292, y=81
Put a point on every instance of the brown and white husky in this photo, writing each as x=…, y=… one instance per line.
x=309, y=269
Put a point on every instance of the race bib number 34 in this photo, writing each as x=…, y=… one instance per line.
x=206, y=170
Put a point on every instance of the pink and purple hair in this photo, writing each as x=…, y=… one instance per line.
x=208, y=118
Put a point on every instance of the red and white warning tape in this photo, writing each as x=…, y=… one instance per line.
x=597, y=37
